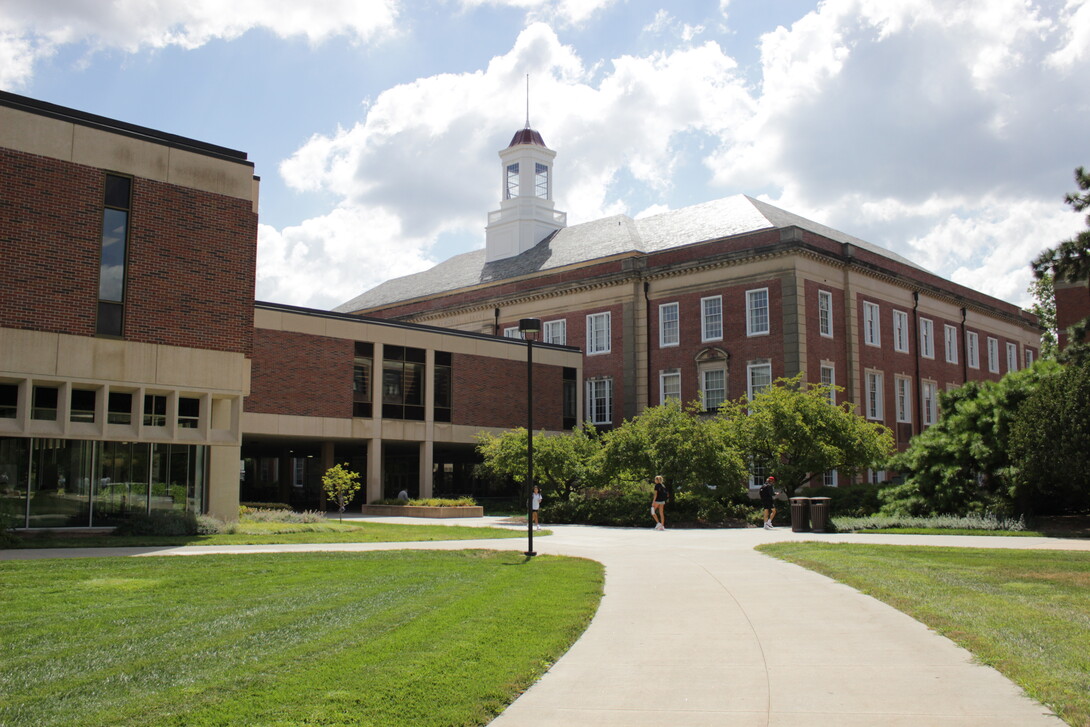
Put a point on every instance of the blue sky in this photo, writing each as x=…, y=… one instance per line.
x=944, y=130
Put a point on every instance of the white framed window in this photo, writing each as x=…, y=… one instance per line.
x=874, y=395
x=757, y=312
x=902, y=389
x=900, y=331
x=512, y=190
x=1012, y=357
x=927, y=338
x=598, y=333
x=828, y=378
x=951, y=335
x=876, y=477
x=541, y=181
x=972, y=349
x=758, y=473
x=1029, y=357
x=669, y=332
x=993, y=355
x=872, y=331
x=758, y=378
x=825, y=313
x=513, y=332
x=669, y=385
x=830, y=479
x=600, y=400
x=713, y=388
x=711, y=317
x=929, y=400
x=555, y=332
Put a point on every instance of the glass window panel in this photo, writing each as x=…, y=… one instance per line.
x=9, y=401
x=155, y=410
x=111, y=281
x=414, y=384
x=82, y=406
x=361, y=380
x=757, y=312
x=119, y=408
x=45, y=403
x=512, y=181
x=714, y=388
x=118, y=191
x=711, y=311
x=541, y=181
x=189, y=412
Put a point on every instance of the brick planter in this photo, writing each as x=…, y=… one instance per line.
x=424, y=511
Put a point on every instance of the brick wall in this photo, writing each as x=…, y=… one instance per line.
x=1072, y=305
x=301, y=374
x=191, y=257
x=491, y=392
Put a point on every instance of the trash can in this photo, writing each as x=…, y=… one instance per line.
x=800, y=518
x=819, y=513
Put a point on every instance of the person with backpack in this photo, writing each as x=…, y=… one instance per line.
x=768, y=501
x=658, y=503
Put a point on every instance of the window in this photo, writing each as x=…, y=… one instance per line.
x=927, y=338
x=872, y=333
x=598, y=335
x=600, y=400
x=1012, y=357
x=929, y=399
x=512, y=190
x=155, y=410
x=669, y=385
x=758, y=378
x=902, y=389
x=403, y=383
x=900, y=331
x=82, y=406
x=758, y=473
x=825, y=313
x=668, y=325
x=119, y=408
x=189, y=412
x=757, y=312
x=111, y=271
x=828, y=378
x=1029, y=357
x=363, y=379
x=9, y=401
x=711, y=316
x=541, y=181
x=713, y=388
x=972, y=349
x=951, y=344
x=442, y=378
x=993, y=355
x=829, y=478
x=874, y=395
x=571, y=403
x=513, y=332
x=555, y=332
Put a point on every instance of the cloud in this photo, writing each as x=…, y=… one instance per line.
x=562, y=12
x=31, y=30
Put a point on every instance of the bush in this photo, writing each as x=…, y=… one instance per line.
x=851, y=501
x=159, y=522
x=431, y=502
x=260, y=515
x=208, y=525
x=632, y=508
x=984, y=522
x=244, y=508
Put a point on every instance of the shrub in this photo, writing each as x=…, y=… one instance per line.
x=244, y=508
x=632, y=508
x=431, y=502
x=852, y=501
x=261, y=515
x=208, y=525
x=988, y=521
x=159, y=522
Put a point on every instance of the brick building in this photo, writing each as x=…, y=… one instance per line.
x=713, y=301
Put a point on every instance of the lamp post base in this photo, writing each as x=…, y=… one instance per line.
x=530, y=553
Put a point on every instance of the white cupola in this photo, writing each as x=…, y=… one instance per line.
x=526, y=215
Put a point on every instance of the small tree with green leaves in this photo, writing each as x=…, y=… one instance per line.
x=1043, y=291
x=794, y=430
x=562, y=462
x=341, y=485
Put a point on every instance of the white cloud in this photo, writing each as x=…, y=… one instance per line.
x=31, y=30
x=563, y=12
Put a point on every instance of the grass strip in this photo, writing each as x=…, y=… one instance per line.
x=273, y=533
x=1026, y=613
x=387, y=638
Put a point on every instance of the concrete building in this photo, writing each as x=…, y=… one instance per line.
x=714, y=301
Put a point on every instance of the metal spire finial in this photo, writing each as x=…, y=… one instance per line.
x=527, y=100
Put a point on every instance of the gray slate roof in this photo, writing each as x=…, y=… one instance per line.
x=608, y=236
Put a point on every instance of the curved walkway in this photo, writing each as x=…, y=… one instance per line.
x=696, y=628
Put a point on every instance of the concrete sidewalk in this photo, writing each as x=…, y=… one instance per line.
x=696, y=628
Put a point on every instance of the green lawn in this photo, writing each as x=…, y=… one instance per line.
x=386, y=638
x=1026, y=613
x=266, y=533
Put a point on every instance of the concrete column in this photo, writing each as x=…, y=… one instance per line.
x=426, y=483
x=374, y=470
x=223, y=469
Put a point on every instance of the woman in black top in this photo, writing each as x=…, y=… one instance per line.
x=658, y=503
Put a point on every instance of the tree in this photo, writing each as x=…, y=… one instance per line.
x=561, y=461
x=677, y=442
x=341, y=485
x=1050, y=443
x=1070, y=260
x=962, y=463
x=795, y=431
x=1044, y=307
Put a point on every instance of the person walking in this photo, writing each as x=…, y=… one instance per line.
x=658, y=503
x=535, y=505
x=768, y=501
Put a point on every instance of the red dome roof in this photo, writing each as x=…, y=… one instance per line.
x=526, y=136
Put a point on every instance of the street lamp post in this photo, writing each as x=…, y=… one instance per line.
x=529, y=326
